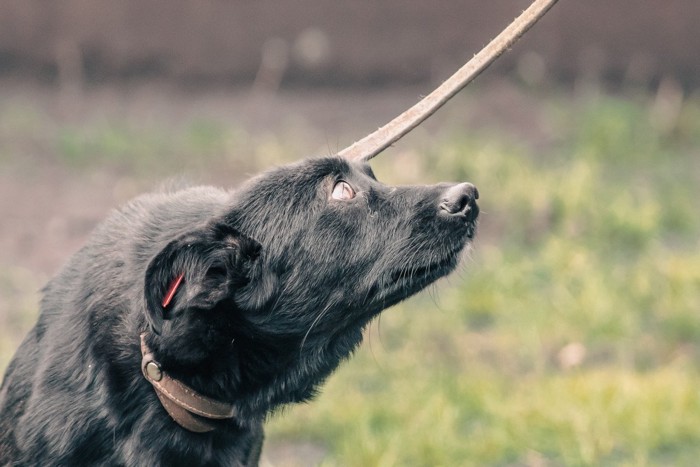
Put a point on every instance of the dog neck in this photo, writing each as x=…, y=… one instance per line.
x=190, y=409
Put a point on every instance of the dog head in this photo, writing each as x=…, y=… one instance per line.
x=338, y=243
x=304, y=256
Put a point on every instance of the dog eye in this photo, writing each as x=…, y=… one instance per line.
x=343, y=191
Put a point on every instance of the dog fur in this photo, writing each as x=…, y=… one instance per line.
x=281, y=278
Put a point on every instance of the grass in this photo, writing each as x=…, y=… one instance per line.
x=570, y=337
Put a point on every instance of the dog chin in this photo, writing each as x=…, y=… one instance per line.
x=405, y=282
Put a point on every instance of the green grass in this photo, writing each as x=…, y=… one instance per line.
x=569, y=337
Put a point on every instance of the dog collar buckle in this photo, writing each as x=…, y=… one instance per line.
x=153, y=371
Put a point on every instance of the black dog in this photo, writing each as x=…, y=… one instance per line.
x=190, y=316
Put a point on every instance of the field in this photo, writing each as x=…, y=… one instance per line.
x=570, y=335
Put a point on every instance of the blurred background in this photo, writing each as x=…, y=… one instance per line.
x=570, y=335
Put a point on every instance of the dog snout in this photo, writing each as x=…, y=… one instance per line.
x=460, y=200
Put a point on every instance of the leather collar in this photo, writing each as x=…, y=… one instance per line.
x=190, y=409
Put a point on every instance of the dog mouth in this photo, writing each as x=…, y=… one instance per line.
x=413, y=276
x=416, y=274
x=471, y=227
x=428, y=272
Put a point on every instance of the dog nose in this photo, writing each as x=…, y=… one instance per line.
x=460, y=200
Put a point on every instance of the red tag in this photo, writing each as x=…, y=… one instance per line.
x=172, y=289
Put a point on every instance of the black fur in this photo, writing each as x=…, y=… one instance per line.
x=280, y=281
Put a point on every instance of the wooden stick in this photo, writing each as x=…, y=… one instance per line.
x=374, y=143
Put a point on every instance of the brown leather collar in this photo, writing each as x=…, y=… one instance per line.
x=190, y=409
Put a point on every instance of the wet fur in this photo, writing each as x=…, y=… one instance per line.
x=280, y=281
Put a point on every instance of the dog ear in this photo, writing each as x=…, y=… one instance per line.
x=197, y=270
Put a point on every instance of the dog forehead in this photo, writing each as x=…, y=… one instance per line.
x=367, y=169
x=320, y=167
x=309, y=170
x=343, y=168
x=302, y=177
